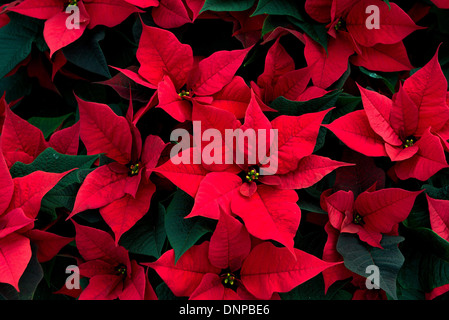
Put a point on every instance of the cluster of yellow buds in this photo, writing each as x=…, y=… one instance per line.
x=252, y=175
x=229, y=279
x=184, y=93
x=121, y=269
x=338, y=25
x=73, y=3
x=358, y=219
x=134, y=169
x=409, y=142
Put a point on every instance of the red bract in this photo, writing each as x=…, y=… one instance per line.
x=20, y=201
x=21, y=141
x=175, y=13
x=379, y=49
x=281, y=79
x=411, y=128
x=91, y=13
x=265, y=271
x=110, y=271
x=122, y=189
x=179, y=77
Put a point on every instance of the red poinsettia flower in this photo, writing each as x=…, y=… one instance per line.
x=378, y=47
x=180, y=78
x=20, y=200
x=281, y=79
x=227, y=268
x=411, y=129
x=21, y=141
x=266, y=203
x=121, y=189
x=371, y=214
x=112, y=274
x=57, y=14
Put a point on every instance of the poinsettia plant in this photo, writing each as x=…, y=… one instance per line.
x=224, y=150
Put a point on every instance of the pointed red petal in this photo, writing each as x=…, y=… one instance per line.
x=102, y=131
x=66, y=141
x=123, y=213
x=230, y=243
x=214, y=195
x=102, y=287
x=234, y=97
x=6, y=185
x=270, y=214
x=217, y=70
x=30, y=189
x=310, y=170
x=15, y=253
x=187, y=176
x=134, y=286
x=439, y=216
x=394, y=23
x=383, y=57
x=101, y=187
x=282, y=274
x=169, y=100
x=404, y=114
x=337, y=205
x=48, y=244
x=292, y=84
x=56, y=33
x=296, y=138
x=382, y=210
x=378, y=109
x=211, y=288
x=96, y=244
x=170, y=14
x=354, y=130
x=20, y=140
x=327, y=67
x=427, y=88
x=160, y=53
x=185, y=276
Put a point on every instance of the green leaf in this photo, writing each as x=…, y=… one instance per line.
x=16, y=86
x=48, y=125
x=87, y=54
x=389, y=79
x=148, y=235
x=316, y=31
x=276, y=7
x=313, y=289
x=183, y=233
x=52, y=161
x=227, y=5
x=62, y=195
x=16, y=39
x=297, y=108
x=358, y=256
x=426, y=263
